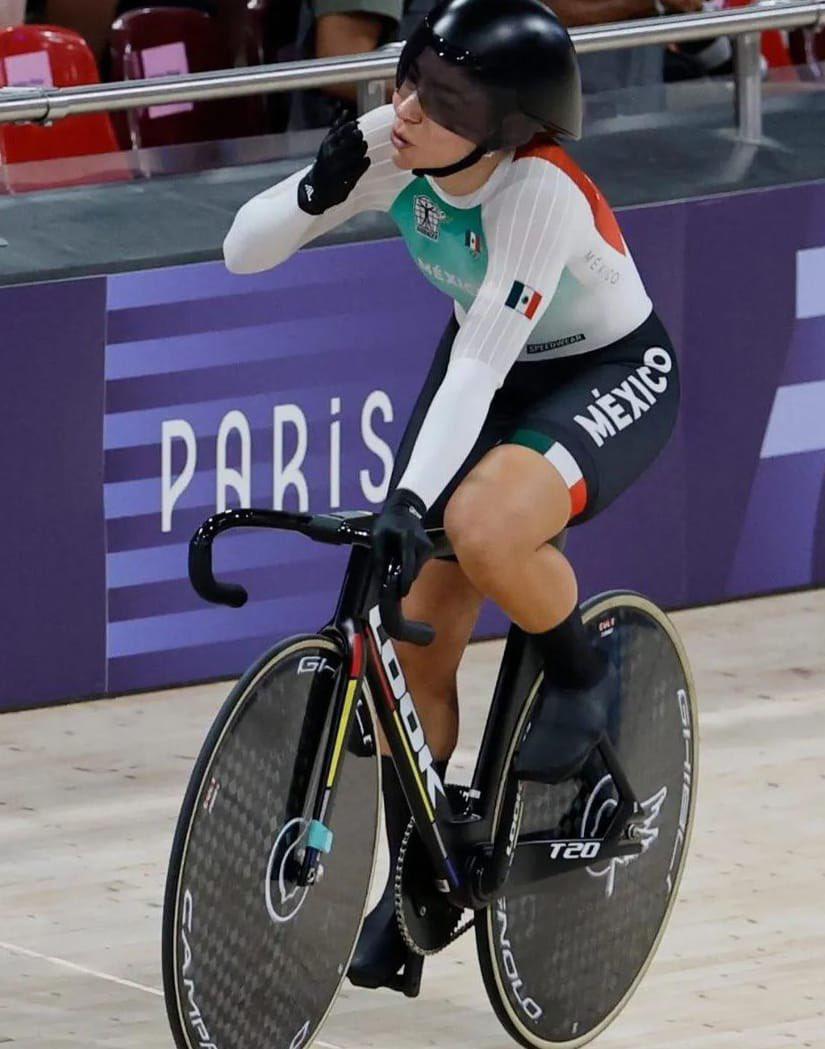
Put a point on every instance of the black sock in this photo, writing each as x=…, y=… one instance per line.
x=396, y=810
x=570, y=658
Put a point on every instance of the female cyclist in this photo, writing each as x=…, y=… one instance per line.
x=553, y=387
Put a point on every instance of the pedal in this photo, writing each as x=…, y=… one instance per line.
x=406, y=982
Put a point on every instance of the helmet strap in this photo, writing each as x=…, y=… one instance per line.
x=460, y=165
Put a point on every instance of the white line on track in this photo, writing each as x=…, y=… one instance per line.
x=14, y=949
x=79, y=968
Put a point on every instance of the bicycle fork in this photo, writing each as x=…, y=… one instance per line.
x=319, y=839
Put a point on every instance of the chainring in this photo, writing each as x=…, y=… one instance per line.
x=427, y=920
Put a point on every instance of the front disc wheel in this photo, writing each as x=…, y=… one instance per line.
x=251, y=958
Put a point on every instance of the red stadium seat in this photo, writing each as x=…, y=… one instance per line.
x=165, y=41
x=49, y=56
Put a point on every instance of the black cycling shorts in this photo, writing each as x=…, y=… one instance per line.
x=600, y=418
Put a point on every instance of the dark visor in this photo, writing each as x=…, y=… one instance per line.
x=450, y=94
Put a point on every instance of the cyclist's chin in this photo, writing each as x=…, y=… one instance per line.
x=407, y=158
x=414, y=157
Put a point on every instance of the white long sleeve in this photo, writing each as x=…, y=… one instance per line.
x=270, y=227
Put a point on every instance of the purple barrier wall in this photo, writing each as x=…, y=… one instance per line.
x=755, y=410
x=291, y=388
x=53, y=636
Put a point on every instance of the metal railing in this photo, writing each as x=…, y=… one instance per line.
x=371, y=71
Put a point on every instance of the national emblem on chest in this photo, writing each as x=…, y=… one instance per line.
x=428, y=217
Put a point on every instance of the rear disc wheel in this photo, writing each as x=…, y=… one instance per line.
x=560, y=964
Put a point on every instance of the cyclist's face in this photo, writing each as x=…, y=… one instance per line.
x=419, y=141
x=431, y=104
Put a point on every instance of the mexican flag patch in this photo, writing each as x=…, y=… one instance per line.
x=472, y=241
x=523, y=299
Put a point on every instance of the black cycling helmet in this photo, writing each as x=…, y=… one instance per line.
x=495, y=72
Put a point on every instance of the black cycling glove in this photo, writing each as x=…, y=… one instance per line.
x=341, y=161
x=399, y=536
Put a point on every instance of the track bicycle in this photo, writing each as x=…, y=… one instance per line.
x=568, y=888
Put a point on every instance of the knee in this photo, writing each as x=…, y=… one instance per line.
x=481, y=531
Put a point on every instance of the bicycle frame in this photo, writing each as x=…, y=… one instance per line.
x=472, y=859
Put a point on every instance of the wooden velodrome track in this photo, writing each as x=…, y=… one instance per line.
x=89, y=795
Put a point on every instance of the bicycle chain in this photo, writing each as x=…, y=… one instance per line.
x=463, y=921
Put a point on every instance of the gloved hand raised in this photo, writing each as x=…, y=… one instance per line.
x=340, y=163
x=398, y=535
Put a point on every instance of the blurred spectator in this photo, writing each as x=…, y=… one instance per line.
x=632, y=67
x=325, y=29
x=12, y=12
x=690, y=61
x=697, y=58
x=329, y=28
x=606, y=70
